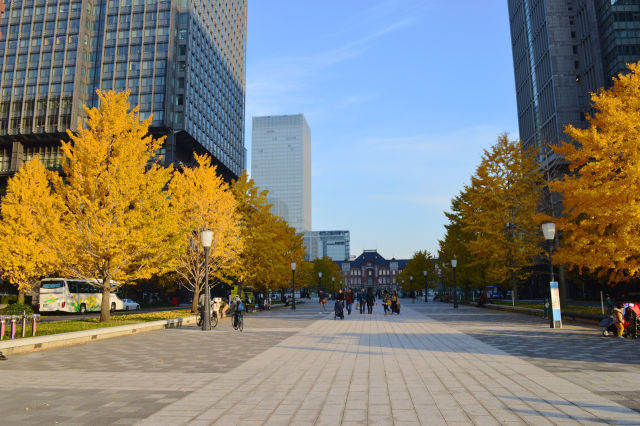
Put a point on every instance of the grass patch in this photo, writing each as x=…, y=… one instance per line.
x=597, y=310
x=48, y=328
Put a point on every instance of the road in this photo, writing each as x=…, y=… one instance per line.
x=430, y=365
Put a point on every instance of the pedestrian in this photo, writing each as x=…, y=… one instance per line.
x=395, y=303
x=323, y=300
x=547, y=306
x=618, y=319
x=370, y=301
x=412, y=295
x=349, y=301
x=340, y=296
x=609, y=305
x=386, y=301
x=361, y=300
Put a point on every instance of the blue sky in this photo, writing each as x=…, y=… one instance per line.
x=402, y=96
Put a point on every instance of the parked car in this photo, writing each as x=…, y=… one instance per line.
x=130, y=305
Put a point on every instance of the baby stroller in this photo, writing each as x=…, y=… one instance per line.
x=631, y=316
x=608, y=327
x=338, y=310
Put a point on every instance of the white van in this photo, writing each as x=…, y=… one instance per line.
x=70, y=295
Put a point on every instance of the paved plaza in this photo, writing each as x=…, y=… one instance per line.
x=430, y=365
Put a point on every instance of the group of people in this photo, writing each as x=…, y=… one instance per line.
x=364, y=300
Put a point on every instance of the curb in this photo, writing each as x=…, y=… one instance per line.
x=41, y=343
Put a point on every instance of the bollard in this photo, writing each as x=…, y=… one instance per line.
x=34, y=318
x=14, y=320
x=3, y=321
x=24, y=323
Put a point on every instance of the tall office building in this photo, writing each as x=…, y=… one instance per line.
x=281, y=164
x=182, y=60
x=333, y=244
x=563, y=50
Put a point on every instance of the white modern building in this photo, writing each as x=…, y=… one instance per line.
x=334, y=244
x=281, y=164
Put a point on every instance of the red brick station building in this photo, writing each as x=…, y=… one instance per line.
x=371, y=270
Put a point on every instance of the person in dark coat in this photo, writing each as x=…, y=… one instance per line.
x=349, y=301
x=362, y=300
x=370, y=301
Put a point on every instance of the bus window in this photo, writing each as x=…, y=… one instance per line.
x=52, y=284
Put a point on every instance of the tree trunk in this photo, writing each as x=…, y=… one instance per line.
x=194, y=303
x=562, y=287
x=514, y=288
x=21, y=297
x=105, y=312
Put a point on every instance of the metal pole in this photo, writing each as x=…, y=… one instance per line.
x=426, y=289
x=552, y=280
x=206, y=323
x=455, y=290
x=293, y=289
x=602, y=303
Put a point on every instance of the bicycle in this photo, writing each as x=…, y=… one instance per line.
x=213, y=320
x=238, y=324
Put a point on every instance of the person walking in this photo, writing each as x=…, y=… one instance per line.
x=386, y=301
x=395, y=305
x=370, y=301
x=361, y=300
x=323, y=299
x=349, y=301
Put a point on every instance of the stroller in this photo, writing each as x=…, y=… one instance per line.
x=631, y=317
x=338, y=310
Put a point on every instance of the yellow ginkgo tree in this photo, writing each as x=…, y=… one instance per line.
x=205, y=201
x=499, y=212
x=119, y=223
x=27, y=205
x=601, y=193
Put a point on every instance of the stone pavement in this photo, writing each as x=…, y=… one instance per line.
x=425, y=366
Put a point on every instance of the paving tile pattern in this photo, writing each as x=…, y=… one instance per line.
x=430, y=365
x=578, y=352
x=373, y=369
x=126, y=379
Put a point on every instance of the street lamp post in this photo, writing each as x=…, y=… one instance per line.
x=333, y=283
x=293, y=285
x=549, y=231
x=441, y=280
x=413, y=299
x=454, y=263
x=319, y=280
x=426, y=287
x=206, y=237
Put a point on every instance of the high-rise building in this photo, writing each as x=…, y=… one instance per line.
x=333, y=244
x=563, y=50
x=182, y=60
x=281, y=164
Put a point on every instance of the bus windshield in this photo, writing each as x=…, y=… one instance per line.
x=52, y=284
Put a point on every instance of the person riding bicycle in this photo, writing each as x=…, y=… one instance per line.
x=237, y=307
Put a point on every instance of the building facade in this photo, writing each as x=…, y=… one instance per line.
x=281, y=164
x=333, y=244
x=563, y=50
x=371, y=270
x=182, y=60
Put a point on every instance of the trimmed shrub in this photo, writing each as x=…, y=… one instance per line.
x=17, y=309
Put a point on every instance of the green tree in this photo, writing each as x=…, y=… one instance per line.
x=420, y=262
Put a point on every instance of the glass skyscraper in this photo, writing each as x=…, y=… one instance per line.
x=563, y=50
x=182, y=60
x=281, y=164
x=333, y=244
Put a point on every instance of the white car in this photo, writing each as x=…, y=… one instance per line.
x=130, y=305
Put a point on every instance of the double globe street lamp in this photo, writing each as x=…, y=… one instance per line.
x=206, y=237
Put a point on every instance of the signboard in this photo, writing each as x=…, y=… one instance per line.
x=555, y=305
